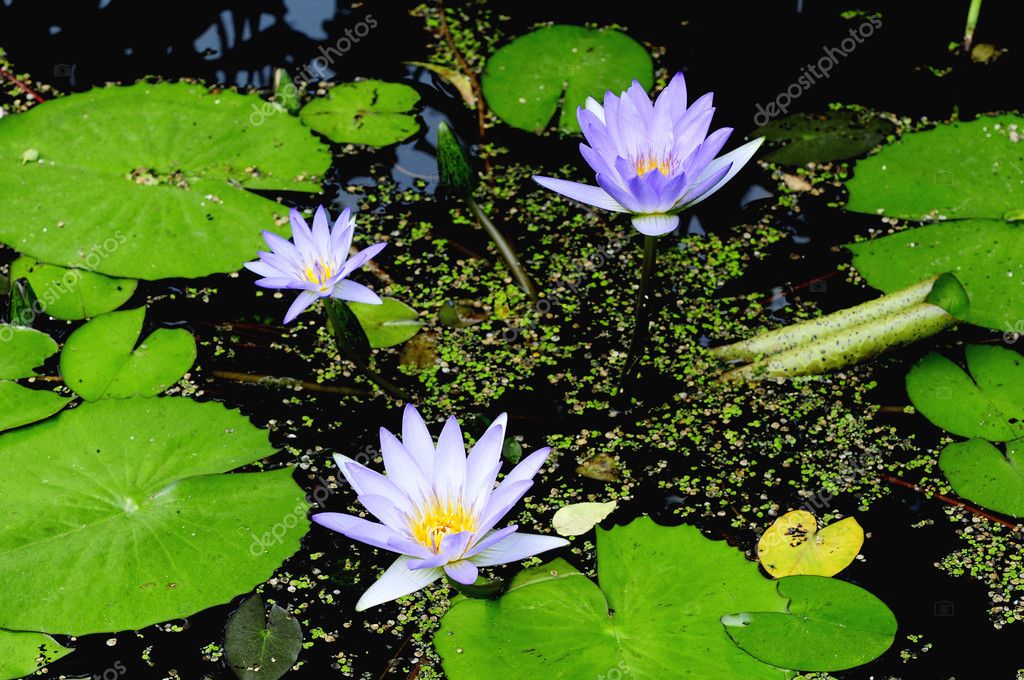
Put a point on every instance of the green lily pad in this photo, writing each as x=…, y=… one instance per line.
x=23, y=653
x=258, y=649
x=24, y=350
x=990, y=406
x=979, y=472
x=525, y=81
x=802, y=138
x=831, y=625
x=982, y=254
x=149, y=181
x=20, y=405
x=123, y=503
x=960, y=170
x=370, y=112
x=663, y=591
x=388, y=324
x=101, y=359
x=72, y=293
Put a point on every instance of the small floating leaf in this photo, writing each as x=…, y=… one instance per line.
x=387, y=324
x=258, y=649
x=101, y=359
x=579, y=518
x=979, y=472
x=72, y=294
x=24, y=349
x=20, y=653
x=20, y=405
x=371, y=112
x=793, y=545
x=830, y=625
x=990, y=406
x=804, y=137
x=525, y=81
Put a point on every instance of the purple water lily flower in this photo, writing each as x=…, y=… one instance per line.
x=317, y=263
x=438, y=507
x=652, y=159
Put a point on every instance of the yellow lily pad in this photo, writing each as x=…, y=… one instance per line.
x=579, y=518
x=793, y=545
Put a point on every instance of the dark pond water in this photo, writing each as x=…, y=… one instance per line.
x=747, y=53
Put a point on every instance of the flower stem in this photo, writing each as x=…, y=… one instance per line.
x=972, y=21
x=481, y=590
x=504, y=247
x=350, y=353
x=636, y=343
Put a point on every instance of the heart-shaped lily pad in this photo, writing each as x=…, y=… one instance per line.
x=23, y=653
x=971, y=175
x=370, y=112
x=793, y=545
x=663, y=591
x=980, y=472
x=831, y=625
x=24, y=350
x=805, y=137
x=71, y=294
x=988, y=403
x=101, y=359
x=20, y=405
x=260, y=649
x=122, y=503
x=387, y=324
x=149, y=181
x=526, y=81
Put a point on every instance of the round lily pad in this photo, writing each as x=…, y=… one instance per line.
x=979, y=472
x=20, y=405
x=805, y=138
x=525, y=81
x=988, y=403
x=260, y=649
x=67, y=293
x=662, y=593
x=149, y=181
x=104, y=357
x=793, y=545
x=24, y=350
x=387, y=324
x=370, y=112
x=23, y=653
x=123, y=503
x=831, y=625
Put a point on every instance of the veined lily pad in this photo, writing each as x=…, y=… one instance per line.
x=123, y=503
x=23, y=653
x=831, y=625
x=24, y=350
x=388, y=324
x=258, y=648
x=972, y=176
x=72, y=293
x=662, y=593
x=101, y=359
x=370, y=112
x=980, y=472
x=794, y=545
x=804, y=138
x=20, y=405
x=525, y=81
x=989, y=406
x=148, y=181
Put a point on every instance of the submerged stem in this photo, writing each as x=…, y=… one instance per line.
x=508, y=253
x=636, y=343
x=481, y=590
x=350, y=353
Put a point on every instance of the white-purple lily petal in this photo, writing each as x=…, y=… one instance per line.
x=437, y=506
x=315, y=262
x=651, y=159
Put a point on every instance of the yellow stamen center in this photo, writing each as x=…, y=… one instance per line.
x=438, y=519
x=647, y=163
x=319, y=273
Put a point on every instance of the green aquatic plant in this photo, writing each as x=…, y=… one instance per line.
x=371, y=112
x=258, y=645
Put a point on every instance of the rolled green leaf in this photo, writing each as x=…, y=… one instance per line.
x=850, y=345
x=456, y=174
x=285, y=91
x=790, y=337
